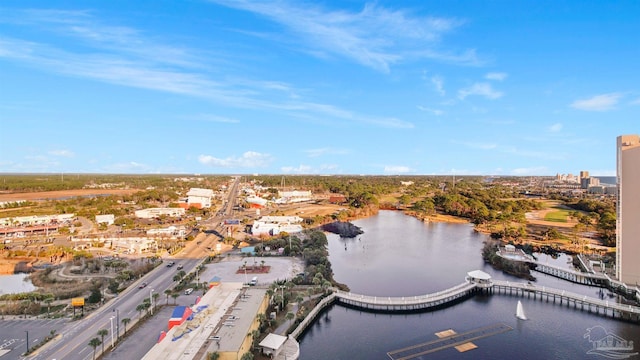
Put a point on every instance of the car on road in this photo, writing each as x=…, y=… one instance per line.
x=170, y=263
x=188, y=291
x=180, y=267
x=142, y=286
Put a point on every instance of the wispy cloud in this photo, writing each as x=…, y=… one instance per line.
x=435, y=112
x=601, y=102
x=325, y=151
x=480, y=89
x=497, y=76
x=635, y=102
x=555, y=128
x=476, y=145
x=397, y=169
x=62, y=152
x=438, y=83
x=249, y=159
x=376, y=37
x=215, y=118
x=126, y=58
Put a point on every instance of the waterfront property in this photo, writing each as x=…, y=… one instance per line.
x=475, y=282
x=628, y=208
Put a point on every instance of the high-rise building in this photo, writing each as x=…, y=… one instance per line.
x=628, y=209
x=584, y=174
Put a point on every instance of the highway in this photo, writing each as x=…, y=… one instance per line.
x=73, y=340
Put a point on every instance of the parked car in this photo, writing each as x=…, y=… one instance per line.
x=188, y=291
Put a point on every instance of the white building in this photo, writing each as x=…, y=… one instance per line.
x=153, y=213
x=171, y=231
x=37, y=220
x=105, y=219
x=132, y=245
x=199, y=198
x=274, y=225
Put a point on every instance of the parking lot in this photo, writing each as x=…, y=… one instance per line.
x=281, y=268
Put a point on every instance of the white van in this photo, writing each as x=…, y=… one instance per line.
x=253, y=281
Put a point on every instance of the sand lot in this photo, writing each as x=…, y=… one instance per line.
x=281, y=268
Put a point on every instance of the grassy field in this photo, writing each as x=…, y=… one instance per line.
x=557, y=216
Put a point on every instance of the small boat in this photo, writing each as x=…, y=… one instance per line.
x=520, y=311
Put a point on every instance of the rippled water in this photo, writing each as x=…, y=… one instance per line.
x=401, y=256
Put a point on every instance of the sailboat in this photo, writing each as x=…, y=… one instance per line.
x=520, y=311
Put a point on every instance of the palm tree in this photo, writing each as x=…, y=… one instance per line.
x=247, y=356
x=139, y=309
x=155, y=299
x=255, y=335
x=48, y=300
x=125, y=321
x=175, y=296
x=290, y=316
x=213, y=356
x=94, y=344
x=102, y=333
x=167, y=293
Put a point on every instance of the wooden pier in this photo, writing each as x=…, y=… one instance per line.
x=407, y=303
x=562, y=297
x=453, y=340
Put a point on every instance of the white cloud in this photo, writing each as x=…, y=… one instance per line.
x=481, y=89
x=301, y=169
x=394, y=169
x=122, y=56
x=438, y=82
x=248, y=160
x=530, y=171
x=62, y=152
x=601, y=102
x=435, y=112
x=376, y=37
x=497, y=76
x=555, y=127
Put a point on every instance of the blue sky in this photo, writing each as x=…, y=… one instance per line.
x=294, y=87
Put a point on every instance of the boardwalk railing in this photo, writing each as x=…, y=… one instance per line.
x=406, y=303
x=609, y=308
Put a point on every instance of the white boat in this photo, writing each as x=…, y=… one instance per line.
x=520, y=311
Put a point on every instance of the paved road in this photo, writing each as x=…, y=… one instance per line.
x=13, y=334
x=75, y=336
x=72, y=342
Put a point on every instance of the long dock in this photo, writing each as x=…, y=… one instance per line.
x=454, y=340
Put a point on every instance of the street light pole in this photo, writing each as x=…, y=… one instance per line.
x=117, y=323
x=27, y=340
x=111, y=319
x=151, y=300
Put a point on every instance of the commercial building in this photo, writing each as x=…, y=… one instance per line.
x=108, y=219
x=199, y=198
x=274, y=225
x=153, y=213
x=628, y=209
x=221, y=322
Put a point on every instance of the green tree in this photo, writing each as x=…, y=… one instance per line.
x=213, y=356
x=167, y=293
x=290, y=316
x=175, y=296
x=102, y=333
x=94, y=343
x=247, y=356
x=125, y=321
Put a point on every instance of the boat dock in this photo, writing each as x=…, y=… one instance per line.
x=448, y=341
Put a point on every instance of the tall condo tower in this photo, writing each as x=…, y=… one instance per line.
x=628, y=209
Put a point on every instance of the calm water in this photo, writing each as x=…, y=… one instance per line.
x=401, y=256
x=16, y=283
